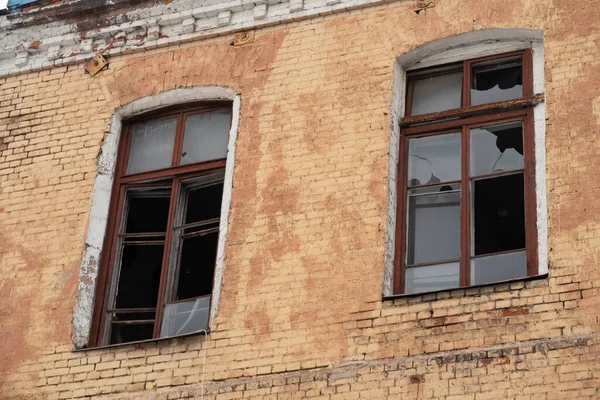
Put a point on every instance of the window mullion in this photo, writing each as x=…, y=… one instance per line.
x=164, y=273
x=401, y=225
x=527, y=68
x=178, y=145
x=409, y=97
x=126, y=149
x=530, y=196
x=112, y=246
x=466, y=85
x=465, y=211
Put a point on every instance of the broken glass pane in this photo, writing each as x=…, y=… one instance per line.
x=185, y=317
x=204, y=203
x=497, y=148
x=139, y=276
x=433, y=225
x=433, y=159
x=206, y=136
x=152, y=145
x=197, y=264
x=496, y=80
x=499, y=214
x=432, y=277
x=147, y=211
x=499, y=267
x=437, y=93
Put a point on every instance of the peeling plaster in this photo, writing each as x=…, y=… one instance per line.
x=83, y=313
x=458, y=48
x=64, y=42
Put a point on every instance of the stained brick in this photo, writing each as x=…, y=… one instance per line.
x=300, y=314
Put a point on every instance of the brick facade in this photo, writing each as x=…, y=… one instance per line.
x=301, y=313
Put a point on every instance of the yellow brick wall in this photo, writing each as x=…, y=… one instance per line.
x=301, y=313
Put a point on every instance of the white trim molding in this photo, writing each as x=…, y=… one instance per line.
x=459, y=48
x=88, y=276
x=27, y=45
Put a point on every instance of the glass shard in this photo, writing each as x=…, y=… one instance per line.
x=433, y=159
x=498, y=267
x=152, y=145
x=437, y=93
x=139, y=276
x=499, y=214
x=496, y=80
x=496, y=149
x=185, y=317
x=433, y=225
x=206, y=136
x=432, y=277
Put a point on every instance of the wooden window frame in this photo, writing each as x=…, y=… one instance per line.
x=171, y=176
x=462, y=120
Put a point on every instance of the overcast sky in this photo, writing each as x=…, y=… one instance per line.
x=3, y=4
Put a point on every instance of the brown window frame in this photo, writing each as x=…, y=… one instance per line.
x=169, y=177
x=466, y=118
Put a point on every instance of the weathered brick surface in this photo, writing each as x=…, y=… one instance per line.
x=301, y=313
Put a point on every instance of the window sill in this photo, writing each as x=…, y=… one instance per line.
x=462, y=289
x=141, y=343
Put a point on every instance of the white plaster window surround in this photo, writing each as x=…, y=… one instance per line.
x=84, y=307
x=454, y=49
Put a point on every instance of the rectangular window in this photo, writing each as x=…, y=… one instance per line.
x=466, y=209
x=157, y=274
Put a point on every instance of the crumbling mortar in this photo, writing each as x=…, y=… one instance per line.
x=352, y=369
x=71, y=53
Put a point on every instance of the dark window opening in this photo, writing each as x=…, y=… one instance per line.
x=204, y=203
x=499, y=214
x=197, y=266
x=148, y=214
x=139, y=276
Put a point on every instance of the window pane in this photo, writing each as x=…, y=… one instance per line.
x=185, y=317
x=433, y=225
x=496, y=148
x=496, y=80
x=152, y=145
x=123, y=333
x=147, y=211
x=498, y=268
x=197, y=265
x=206, y=136
x=204, y=203
x=139, y=276
x=433, y=159
x=432, y=277
x=499, y=214
x=437, y=93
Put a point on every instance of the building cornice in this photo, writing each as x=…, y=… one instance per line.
x=25, y=47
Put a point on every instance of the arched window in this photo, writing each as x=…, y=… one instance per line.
x=467, y=209
x=165, y=223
